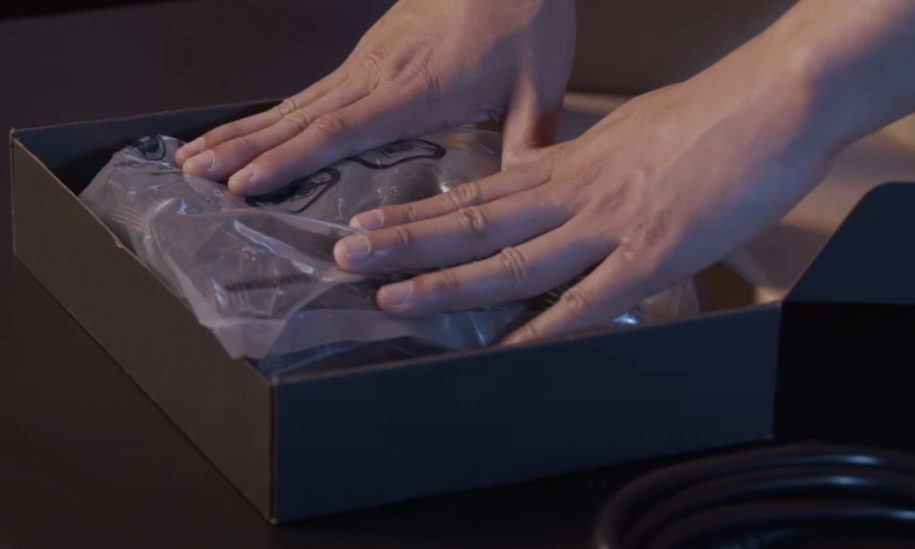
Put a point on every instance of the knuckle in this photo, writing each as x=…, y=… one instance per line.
x=643, y=241
x=414, y=66
x=407, y=212
x=514, y=265
x=518, y=157
x=466, y=195
x=412, y=76
x=582, y=179
x=333, y=123
x=628, y=253
x=529, y=332
x=403, y=239
x=450, y=201
x=242, y=144
x=393, y=216
x=578, y=182
x=372, y=60
x=298, y=120
x=286, y=107
x=472, y=220
x=446, y=281
x=578, y=305
x=370, y=65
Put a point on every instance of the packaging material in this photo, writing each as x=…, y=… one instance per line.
x=260, y=272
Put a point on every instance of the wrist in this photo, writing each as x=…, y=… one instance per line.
x=850, y=69
x=774, y=91
x=800, y=78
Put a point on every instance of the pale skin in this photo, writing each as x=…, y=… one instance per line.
x=657, y=191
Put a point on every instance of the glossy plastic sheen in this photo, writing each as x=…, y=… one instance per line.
x=260, y=272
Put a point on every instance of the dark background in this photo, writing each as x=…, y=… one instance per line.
x=32, y=8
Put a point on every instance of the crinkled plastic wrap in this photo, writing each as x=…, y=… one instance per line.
x=260, y=273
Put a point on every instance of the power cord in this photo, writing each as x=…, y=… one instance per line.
x=763, y=499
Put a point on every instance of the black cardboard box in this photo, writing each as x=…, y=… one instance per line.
x=321, y=443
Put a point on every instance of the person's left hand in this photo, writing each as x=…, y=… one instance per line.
x=660, y=189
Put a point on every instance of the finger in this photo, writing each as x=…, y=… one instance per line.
x=465, y=235
x=221, y=134
x=527, y=130
x=617, y=285
x=258, y=121
x=525, y=271
x=225, y=159
x=379, y=118
x=466, y=195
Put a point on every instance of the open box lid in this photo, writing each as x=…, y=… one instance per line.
x=870, y=257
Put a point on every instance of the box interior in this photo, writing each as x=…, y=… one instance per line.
x=76, y=152
x=224, y=406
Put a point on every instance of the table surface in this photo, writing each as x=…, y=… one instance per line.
x=85, y=458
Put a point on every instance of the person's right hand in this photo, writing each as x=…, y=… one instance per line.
x=425, y=66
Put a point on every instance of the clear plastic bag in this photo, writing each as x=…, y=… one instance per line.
x=260, y=273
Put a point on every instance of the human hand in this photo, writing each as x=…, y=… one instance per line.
x=425, y=66
x=657, y=191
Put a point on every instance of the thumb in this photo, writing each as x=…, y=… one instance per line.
x=527, y=129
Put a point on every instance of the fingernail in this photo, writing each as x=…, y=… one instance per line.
x=397, y=294
x=368, y=221
x=355, y=248
x=202, y=163
x=193, y=148
x=243, y=176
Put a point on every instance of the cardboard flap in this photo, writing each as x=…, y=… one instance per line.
x=869, y=258
x=150, y=333
x=385, y=433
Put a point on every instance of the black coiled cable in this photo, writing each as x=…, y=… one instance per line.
x=764, y=499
